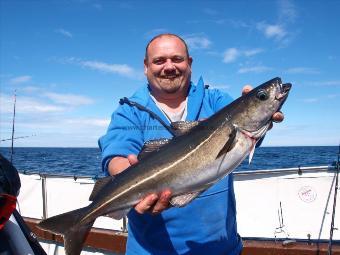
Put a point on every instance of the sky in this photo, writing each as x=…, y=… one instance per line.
x=69, y=62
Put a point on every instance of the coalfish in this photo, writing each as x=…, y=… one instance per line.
x=200, y=155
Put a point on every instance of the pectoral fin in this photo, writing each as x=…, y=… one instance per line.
x=184, y=199
x=230, y=142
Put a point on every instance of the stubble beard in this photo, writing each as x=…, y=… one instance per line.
x=173, y=85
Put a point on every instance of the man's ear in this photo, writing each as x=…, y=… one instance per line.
x=190, y=62
x=145, y=66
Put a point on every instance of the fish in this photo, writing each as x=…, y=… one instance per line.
x=199, y=155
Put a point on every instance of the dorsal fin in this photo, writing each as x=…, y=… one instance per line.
x=98, y=186
x=183, y=127
x=152, y=145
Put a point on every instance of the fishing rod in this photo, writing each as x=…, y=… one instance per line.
x=336, y=187
x=13, y=124
x=18, y=137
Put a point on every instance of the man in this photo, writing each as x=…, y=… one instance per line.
x=207, y=224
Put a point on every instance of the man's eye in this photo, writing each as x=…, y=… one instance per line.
x=158, y=61
x=177, y=59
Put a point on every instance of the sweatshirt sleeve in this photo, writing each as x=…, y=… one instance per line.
x=219, y=99
x=124, y=135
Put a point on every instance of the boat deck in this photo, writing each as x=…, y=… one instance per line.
x=113, y=242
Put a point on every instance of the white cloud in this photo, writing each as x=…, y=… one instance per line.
x=68, y=99
x=20, y=79
x=152, y=33
x=252, y=52
x=239, y=23
x=122, y=69
x=275, y=31
x=287, y=14
x=254, y=69
x=30, y=89
x=88, y=122
x=230, y=55
x=51, y=124
x=197, y=42
x=27, y=105
x=302, y=70
x=64, y=32
x=63, y=99
x=6, y=103
x=287, y=11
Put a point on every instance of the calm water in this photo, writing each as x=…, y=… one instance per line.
x=86, y=161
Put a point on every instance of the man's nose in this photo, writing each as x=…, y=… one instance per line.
x=169, y=65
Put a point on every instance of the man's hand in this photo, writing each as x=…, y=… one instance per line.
x=153, y=203
x=277, y=116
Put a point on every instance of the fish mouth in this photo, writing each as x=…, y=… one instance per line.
x=284, y=90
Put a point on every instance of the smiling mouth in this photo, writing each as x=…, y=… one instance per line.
x=169, y=77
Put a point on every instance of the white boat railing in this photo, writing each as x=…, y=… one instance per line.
x=300, y=170
x=301, y=190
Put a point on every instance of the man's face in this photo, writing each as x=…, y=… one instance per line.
x=168, y=68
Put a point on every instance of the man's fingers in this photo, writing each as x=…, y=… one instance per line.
x=278, y=117
x=132, y=159
x=162, y=203
x=246, y=89
x=154, y=203
x=146, y=204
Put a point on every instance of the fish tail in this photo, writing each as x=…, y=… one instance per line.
x=68, y=224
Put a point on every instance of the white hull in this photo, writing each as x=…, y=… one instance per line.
x=270, y=204
x=285, y=204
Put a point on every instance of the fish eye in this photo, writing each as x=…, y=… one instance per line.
x=262, y=95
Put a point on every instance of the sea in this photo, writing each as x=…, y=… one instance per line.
x=87, y=161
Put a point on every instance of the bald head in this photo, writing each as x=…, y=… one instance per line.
x=165, y=35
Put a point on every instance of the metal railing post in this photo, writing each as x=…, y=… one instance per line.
x=125, y=225
x=44, y=196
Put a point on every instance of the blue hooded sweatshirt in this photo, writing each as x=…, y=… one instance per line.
x=207, y=225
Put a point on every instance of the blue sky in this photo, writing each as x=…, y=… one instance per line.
x=71, y=61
